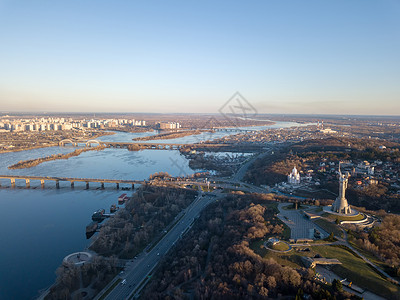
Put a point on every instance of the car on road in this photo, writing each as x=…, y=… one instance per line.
x=123, y=282
x=158, y=253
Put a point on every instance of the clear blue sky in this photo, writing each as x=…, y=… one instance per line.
x=339, y=56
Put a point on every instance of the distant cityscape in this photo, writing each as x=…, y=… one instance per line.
x=291, y=164
x=211, y=150
x=50, y=123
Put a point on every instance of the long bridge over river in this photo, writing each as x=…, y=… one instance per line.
x=57, y=180
x=117, y=182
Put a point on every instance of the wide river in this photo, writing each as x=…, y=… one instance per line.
x=39, y=227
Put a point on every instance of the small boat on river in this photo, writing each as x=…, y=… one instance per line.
x=98, y=215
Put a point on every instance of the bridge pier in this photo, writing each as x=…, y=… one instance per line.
x=56, y=180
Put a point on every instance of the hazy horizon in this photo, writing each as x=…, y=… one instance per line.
x=100, y=113
x=312, y=58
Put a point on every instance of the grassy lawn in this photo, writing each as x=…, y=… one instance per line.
x=319, y=242
x=270, y=204
x=288, y=259
x=372, y=258
x=329, y=227
x=290, y=207
x=352, y=268
x=316, y=210
x=357, y=271
x=280, y=246
x=345, y=218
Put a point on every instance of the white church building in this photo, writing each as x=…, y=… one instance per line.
x=294, y=177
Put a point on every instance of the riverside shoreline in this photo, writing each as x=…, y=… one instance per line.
x=170, y=135
x=37, y=161
x=30, y=145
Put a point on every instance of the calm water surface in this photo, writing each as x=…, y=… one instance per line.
x=39, y=227
x=199, y=137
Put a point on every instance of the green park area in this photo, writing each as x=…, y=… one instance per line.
x=280, y=246
x=333, y=217
x=288, y=258
x=328, y=226
x=292, y=207
x=353, y=267
x=357, y=271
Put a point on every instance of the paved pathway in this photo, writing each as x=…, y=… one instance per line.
x=330, y=276
x=299, y=225
x=344, y=241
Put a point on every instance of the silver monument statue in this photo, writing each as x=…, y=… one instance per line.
x=341, y=205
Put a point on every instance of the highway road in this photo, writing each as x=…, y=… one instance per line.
x=243, y=169
x=137, y=271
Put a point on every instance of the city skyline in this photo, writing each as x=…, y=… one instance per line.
x=319, y=58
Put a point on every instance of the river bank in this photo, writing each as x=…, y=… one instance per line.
x=123, y=236
x=23, y=141
x=130, y=130
x=34, y=162
x=57, y=217
x=28, y=148
x=170, y=135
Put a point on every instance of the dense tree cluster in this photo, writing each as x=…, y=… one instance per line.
x=93, y=276
x=160, y=175
x=145, y=215
x=34, y=162
x=263, y=170
x=374, y=197
x=224, y=165
x=383, y=241
x=215, y=260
